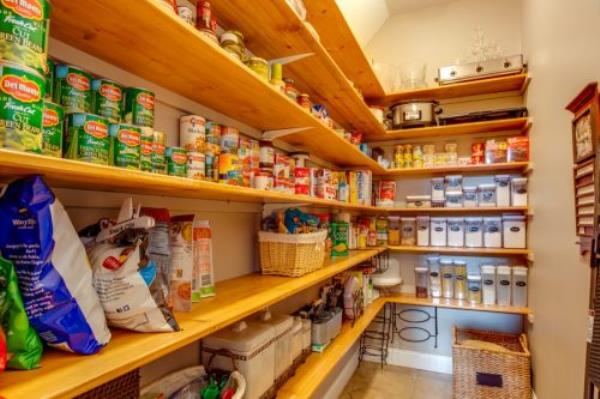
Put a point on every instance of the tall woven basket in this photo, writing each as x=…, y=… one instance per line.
x=291, y=255
x=484, y=372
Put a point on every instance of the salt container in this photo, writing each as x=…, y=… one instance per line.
x=435, y=277
x=502, y=190
x=503, y=285
x=456, y=232
x=514, y=231
x=421, y=277
x=488, y=284
x=454, y=199
x=437, y=189
x=492, y=232
x=423, y=231
x=474, y=288
x=487, y=195
x=518, y=191
x=438, y=232
x=447, y=269
x=519, y=286
x=470, y=197
x=460, y=279
x=453, y=183
x=474, y=232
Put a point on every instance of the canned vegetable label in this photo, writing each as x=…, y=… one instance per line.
x=50, y=80
x=158, y=159
x=107, y=99
x=176, y=161
x=126, y=145
x=87, y=138
x=52, y=137
x=72, y=89
x=21, y=108
x=24, y=32
x=139, y=107
x=146, y=141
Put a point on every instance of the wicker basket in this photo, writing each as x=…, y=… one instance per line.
x=291, y=255
x=488, y=373
x=126, y=386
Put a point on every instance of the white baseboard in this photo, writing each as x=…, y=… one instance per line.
x=417, y=360
x=533, y=395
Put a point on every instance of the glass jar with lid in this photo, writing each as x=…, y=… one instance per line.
x=394, y=230
x=421, y=277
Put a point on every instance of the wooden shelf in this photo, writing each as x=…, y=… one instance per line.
x=65, y=374
x=522, y=167
x=111, y=30
x=462, y=211
x=339, y=40
x=502, y=125
x=517, y=82
x=409, y=299
x=462, y=251
x=318, y=366
x=273, y=30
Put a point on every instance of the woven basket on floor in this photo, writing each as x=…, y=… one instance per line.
x=291, y=255
x=126, y=386
x=488, y=373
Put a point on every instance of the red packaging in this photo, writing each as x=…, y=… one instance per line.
x=477, y=153
x=3, y=351
x=302, y=189
x=518, y=149
x=204, y=15
x=387, y=192
x=356, y=137
x=171, y=4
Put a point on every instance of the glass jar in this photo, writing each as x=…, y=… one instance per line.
x=266, y=154
x=474, y=281
x=260, y=66
x=381, y=226
x=460, y=279
x=421, y=274
x=399, y=157
x=409, y=231
x=447, y=269
x=408, y=156
x=394, y=230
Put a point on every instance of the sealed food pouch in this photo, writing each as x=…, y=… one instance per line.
x=23, y=344
x=53, y=270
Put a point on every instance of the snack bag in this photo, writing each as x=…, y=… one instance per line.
x=23, y=344
x=53, y=271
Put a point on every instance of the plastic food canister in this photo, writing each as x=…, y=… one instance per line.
x=503, y=286
x=470, y=197
x=519, y=286
x=514, y=231
x=474, y=286
x=454, y=199
x=518, y=191
x=488, y=284
x=487, y=195
x=409, y=227
x=456, y=232
x=418, y=201
x=421, y=277
x=435, y=278
x=474, y=232
x=394, y=230
x=502, y=190
x=438, y=232
x=460, y=279
x=453, y=183
x=447, y=269
x=492, y=232
x=251, y=344
x=423, y=231
x=282, y=324
x=437, y=189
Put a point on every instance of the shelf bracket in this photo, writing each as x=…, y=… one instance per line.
x=289, y=59
x=275, y=134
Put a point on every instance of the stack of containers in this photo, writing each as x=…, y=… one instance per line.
x=282, y=330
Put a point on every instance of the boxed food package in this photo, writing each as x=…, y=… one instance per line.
x=203, y=282
x=495, y=151
x=182, y=262
x=518, y=149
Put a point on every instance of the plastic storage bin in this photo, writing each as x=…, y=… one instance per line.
x=488, y=284
x=453, y=183
x=492, y=232
x=470, y=199
x=394, y=230
x=474, y=288
x=282, y=325
x=421, y=277
x=518, y=191
x=460, y=279
x=423, y=223
x=503, y=286
x=519, y=286
x=456, y=232
x=454, y=199
x=437, y=189
x=502, y=190
x=447, y=269
x=438, y=232
x=474, y=232
x=409, y=231
x=487, y=195
x=514, y=231
x=435, y=277
x=418, y=201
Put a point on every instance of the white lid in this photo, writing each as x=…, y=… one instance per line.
x=456, y=220
x=454, y=193
x=421, y=219
x=502, y=178
x=438, y=220
x=492, y=219
x=446, y=262
x=520, y=270
x=242, y=338
x=516, y=218
x=437, y=180
x=488, y=269
x=474, y=277
x=278, y=321
x=408, y=219
x=432, y=258
x=453, y=177
x=519, y=180
x=460, y=262
x=421, y=269
x=469, y=188
x=385, y=281
x=474, y=220
x=503, y=269
x=487, y=186
x=418, y=198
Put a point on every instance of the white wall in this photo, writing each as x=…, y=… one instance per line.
x=364, y=17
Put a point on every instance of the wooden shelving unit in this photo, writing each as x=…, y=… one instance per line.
x=65, y=374
x=521, y=167
x=502, y=125
x=459, y=211
x=273, y=30
x=517, y=83
x=527, y=253
x=410, y=299
x=111, y=30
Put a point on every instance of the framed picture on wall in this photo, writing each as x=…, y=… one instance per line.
x=584, y=137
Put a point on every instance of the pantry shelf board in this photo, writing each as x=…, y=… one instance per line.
x=496, y=126
x=318, y=366
x=339, y=40
x=462, y=251
x=110, y=30
x=468, y=210
x=511, y=83
x=523, y=167
x=66, y=374
x=273, y=30
x=411, y=299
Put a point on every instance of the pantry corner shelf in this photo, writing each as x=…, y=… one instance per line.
x=411, y=299
x=527, y=253
x=464, y=210
x=522, y=167
x=66, y=374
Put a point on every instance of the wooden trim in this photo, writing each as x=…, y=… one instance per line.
x=462, y=251
x=466, y=169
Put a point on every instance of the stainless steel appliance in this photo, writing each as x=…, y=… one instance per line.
x=415, y=113
x=480, y=70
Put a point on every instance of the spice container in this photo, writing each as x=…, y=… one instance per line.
x=519, y=286
x=487, y=195
x=260, y=66
x=423, y=231
x=453, y=182
x=192, y=133
x=447, y=269
x=437, y=189
x=514, y=231
x=518, y=191
x=502, y=190
x=409, y=231
x=488, y=284
x=456, y=232
x=460, y=279
x=474, y=288
x=394, y=230
x=503, y=287
x=421, y=277
x=435, y=277
x=282, y=326
x=492, y=232
x=438, y=232
x=454, y=199
x=470, y=197
x=474, y=232
x=418, y=201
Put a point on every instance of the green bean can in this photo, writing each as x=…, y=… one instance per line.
x=72, y=89
x=146, y=143
x=176, y=161
x=24, y=32
x=139, y=107
x=159, y=160
x=50, y=80
x=107, y=99
x=339, y=238
x=52, y=138
x=126, y=145
x=87, y=138
x=21, y=107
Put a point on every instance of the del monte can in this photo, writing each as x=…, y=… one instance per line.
x=72, y=89
x=126, y=145
x=87, y=138
x=139, y=107
x=24, y=32
x=21, y=107
x=52, y=129
x=107, y=99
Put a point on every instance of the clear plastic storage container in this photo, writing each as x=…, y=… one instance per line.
x=502, y=190
x=503, y=286
x=514, y=231
x=454, y=199
x=470, y=199
x=474, y=232
x=492, y=232
x=488, y=284
x=423, y=231
x=418, y=201
x=437, y=189
x=447, y=269
x=456, y=232
x=421, y=277
x=438, y=232
x=519, y=286
x=518, y=191
x=460, y=279
x=487, y=195
x=409, y=231
x=394, y=230
x=474, y=284
x=453, y=183
x=435, y=278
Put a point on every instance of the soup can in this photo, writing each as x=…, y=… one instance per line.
x=211, y=166
x=176, y=161
x=192, y=132
x=230, y=139
x=230, y=169
x=302, y=180
x=87, y=138
x=52, y=131
x=213, y=136
x=196, y=166
x=126, y=141
x=187, y=14
x=107, y=99
x=263, y=179
x=72, y=89
x=139, y=106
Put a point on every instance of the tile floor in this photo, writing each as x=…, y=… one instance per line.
x=370, y=381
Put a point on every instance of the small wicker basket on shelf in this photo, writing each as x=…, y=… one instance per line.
x=291, y=255
x=490, y=365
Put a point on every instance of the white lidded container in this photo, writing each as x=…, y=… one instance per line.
x=435, y=277
x=453, y=183
x=460, y=279
x=474, y=288
x=408, y=234
x=519, y=286
x=253, y=346
x=423, y=231
x=437, y=189
x=514, y=231
x=470, y=199
x=502, y=190
x=418, y=201
x=306, y=334
x=438, y=232
x=447, y=270
x=282, y=324
x=454, y=199
x=421, y=281
x=297, y=343
x=487, y=195
x=456, y=232
x=474, y=232
x=488, y=284
x=503, y=285
x=492, y=232
x=518, y=191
